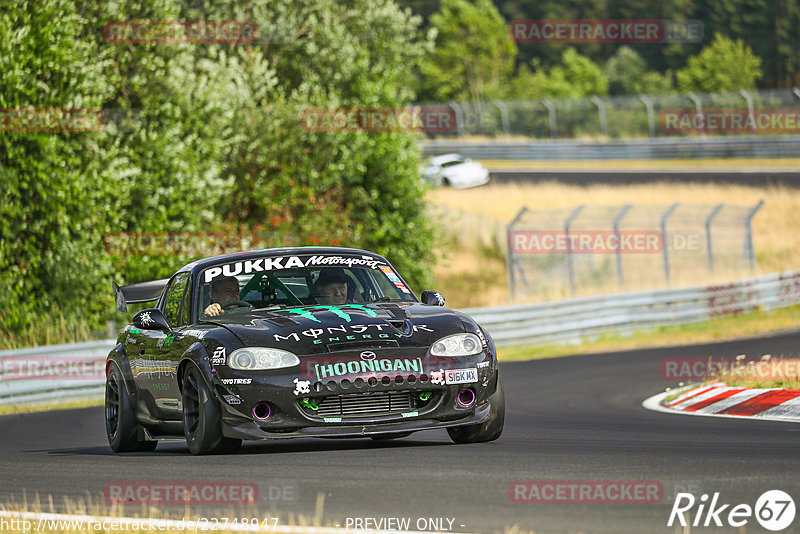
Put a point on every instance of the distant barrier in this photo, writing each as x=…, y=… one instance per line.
x=659, y=148
x=575, y=320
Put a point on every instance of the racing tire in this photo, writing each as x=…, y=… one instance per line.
x=120, y=415
x=202, y=418
x=489, y=430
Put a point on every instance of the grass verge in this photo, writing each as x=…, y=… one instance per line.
x=45, y=407
x=720, y=329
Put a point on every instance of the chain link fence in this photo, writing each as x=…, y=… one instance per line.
x=593, y=248
x=618, y=117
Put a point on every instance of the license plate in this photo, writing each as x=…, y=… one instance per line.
x=460, y=376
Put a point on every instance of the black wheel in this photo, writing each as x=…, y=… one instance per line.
x=395, y=435
x=202, y=419
x=121, y=416
x=489, y=430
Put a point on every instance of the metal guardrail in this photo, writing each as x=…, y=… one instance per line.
x=53, y=373
x=667, y=148
x=568, y=321
x=573, y=320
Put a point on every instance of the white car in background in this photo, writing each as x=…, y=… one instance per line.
x=456, y=171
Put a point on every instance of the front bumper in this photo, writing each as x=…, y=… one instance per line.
x=250, y=430
x=290, y=416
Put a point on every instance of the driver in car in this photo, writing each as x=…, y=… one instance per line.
x=331, y=288
x=223, y=290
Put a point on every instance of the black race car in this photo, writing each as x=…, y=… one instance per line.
x=295, y=342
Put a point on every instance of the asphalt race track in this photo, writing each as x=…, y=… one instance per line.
x=573, y=418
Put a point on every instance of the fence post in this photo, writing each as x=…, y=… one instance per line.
x=750, y=109
x=617, y=220
x=698, y=105
x=503, y=115
x=570, y=273
x=459, y=117
x=510, y=257
x=664, y=247
x=709, y=253
x=551, y=114
x=651, y=121
x=601, y=113
x=748, y=251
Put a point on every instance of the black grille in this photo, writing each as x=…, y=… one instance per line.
x=379, y=403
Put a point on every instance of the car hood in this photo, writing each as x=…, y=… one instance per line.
x=323, y=329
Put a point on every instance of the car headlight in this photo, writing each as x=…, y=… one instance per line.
x=457, y=345
x=261, y=358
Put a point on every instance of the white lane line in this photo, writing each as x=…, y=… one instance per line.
x=132, y=524
x=654, y=403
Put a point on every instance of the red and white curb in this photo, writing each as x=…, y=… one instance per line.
x=721, y=400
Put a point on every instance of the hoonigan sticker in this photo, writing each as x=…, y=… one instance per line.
x=290, y=262
x=325, y=368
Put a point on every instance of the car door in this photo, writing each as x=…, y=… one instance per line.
x=167, y=349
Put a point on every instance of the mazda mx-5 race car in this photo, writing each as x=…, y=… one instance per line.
x=295, y=342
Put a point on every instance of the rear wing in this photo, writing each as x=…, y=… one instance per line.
x=137, y=293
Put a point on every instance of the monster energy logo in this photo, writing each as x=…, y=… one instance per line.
x=367, y=366
x=308, y=311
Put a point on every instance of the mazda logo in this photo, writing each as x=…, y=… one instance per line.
x=368, y=355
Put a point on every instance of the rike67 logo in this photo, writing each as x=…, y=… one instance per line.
x=774, y=510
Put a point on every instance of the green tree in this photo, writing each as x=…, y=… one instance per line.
x=769, y=27
x=627, y=73
x=199, y=137
x=474, y=54
x=351, y=188
x=724, y=65
x=53, y=185
x=575, y=77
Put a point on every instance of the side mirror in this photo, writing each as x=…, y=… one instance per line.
x=151, y=319
x=119, y=298
x=432, y=298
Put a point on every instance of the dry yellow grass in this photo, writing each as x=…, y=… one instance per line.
x=776, y=227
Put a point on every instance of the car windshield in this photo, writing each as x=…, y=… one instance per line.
x=453, y=162
x=300, y=280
